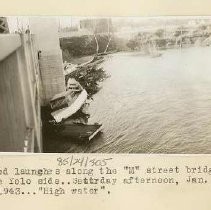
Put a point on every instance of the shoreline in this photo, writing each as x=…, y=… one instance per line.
x=89, y=75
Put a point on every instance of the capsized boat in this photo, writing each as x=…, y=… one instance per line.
x=71, y=103
x=73, y=85
x=67, y=103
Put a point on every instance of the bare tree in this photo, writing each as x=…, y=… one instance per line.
x=109, y=36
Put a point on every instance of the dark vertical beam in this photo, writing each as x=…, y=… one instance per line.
x=3, y=25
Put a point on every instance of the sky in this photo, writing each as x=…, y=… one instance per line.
x=22, y=22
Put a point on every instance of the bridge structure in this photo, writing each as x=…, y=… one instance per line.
x=20, y=121
x=31, y=73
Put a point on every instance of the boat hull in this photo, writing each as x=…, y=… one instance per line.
x=66, y=112
x=80, y=131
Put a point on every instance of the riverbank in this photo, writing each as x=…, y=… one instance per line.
x=141, y=52
x=89, y=76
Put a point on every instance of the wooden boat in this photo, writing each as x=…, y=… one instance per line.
x=67, y=103
x=73, y=85
x=65, y=99
x=82, y=132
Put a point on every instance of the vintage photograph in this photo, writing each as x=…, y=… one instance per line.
x=105, y=84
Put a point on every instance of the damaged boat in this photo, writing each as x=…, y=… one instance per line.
x=67, y=103
x=83, y=132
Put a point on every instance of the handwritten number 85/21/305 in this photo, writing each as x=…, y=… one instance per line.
x=83, y=161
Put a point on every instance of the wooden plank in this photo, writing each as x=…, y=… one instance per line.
x=8, y=44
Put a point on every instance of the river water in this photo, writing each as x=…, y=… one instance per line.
x=154, y=105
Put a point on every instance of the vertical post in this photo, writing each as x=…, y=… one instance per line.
x=28, y=79
x=51, y=63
